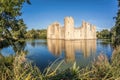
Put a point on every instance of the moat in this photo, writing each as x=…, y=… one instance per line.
x=43, y=52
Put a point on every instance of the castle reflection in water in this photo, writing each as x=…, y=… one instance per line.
x=86, y=47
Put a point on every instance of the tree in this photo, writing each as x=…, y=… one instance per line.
x=116, y=28
x=10, y=10
x=104, y=34
x=41, y=34
x=118, y=3
x=20, y=33
x=10, y=21
x=117, y=25
x=0, y=32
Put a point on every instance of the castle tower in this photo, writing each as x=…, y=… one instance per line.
x=87, y=31
x=84, y=29
x=68, y=32
x=83, y=23
x=69, y=28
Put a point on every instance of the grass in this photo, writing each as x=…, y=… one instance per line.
x=20, y=69
x=101, y=69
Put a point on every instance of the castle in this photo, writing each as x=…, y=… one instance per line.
x=69, y=32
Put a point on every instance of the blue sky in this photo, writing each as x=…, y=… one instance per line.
x=42, y=13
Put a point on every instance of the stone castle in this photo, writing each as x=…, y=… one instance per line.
x=69, y=32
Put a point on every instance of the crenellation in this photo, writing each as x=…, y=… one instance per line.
x=69, y=32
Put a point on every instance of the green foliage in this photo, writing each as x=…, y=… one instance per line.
x=0, y=32
x=104, y=34
x=4, y=43
x=10, y=10
x=20, y=33
x=116, y=28
x=17, y=68
x=118, y=23
x=118, y=3
x=101, y=69
x=36, y=34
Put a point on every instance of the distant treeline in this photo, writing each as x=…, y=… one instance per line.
x=104, y=34
x=42, y=34
x=36, y=34
x=109, y=35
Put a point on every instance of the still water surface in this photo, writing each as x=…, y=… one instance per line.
x=44, y=52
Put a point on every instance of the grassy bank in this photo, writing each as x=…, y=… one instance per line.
x=101, y=69
x=18, y=68
x=105, y=41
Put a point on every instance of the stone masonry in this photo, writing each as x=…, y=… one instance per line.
x=69, y=32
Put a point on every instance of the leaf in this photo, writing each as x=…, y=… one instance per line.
x=1, y=1
x=28, y=1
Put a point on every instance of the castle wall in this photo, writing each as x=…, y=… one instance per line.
x=77, y=34
x=62, y=33
x=68, y=32
x=53, y=31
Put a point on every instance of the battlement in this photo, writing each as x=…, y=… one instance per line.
x=68, y=22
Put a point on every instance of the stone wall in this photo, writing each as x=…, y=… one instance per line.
x=69, y=32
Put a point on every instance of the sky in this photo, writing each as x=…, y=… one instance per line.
x=42, y=13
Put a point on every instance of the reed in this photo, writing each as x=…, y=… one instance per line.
x=101, y=69
x=21, y=69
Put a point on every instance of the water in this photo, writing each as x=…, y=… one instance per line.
x=44, y=52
